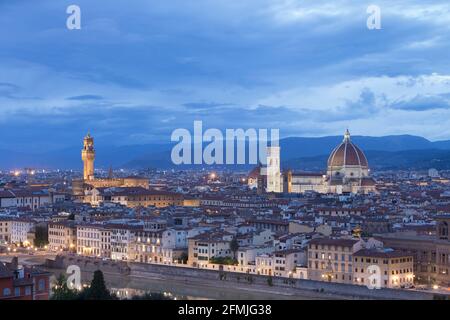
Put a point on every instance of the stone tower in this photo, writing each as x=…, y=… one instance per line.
x=273, y=170
x=88, y=157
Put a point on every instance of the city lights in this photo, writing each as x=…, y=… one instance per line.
x=277, y=150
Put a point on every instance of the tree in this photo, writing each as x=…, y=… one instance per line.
x=223, y=260
x=184, y=258
x=97, y=289
x=41, y=236
x=234, y=246
x=61, y=291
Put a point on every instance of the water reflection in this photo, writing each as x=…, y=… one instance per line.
x=129, y=293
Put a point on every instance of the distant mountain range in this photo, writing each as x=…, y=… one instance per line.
x=386, y=160
x=388, y=152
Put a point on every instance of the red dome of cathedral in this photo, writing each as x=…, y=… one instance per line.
x=347, y=154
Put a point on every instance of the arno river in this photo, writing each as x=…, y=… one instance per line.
x=125, y=287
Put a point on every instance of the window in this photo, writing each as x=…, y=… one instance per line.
x=6, y=292
x=17, y=292
x=41, y=285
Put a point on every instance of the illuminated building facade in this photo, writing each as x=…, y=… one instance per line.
x=82, y=189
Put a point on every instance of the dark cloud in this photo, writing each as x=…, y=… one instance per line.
x=204, y=105
x=7, y=90
x=422, y=103
x=85, y=97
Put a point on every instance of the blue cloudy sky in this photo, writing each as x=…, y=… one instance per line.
x=139, y=69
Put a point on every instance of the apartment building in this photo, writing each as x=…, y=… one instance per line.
x=431, y=252
x=285, y=262
x=20, y=228
x=90, y=240
x=383, y=268
x=177, y=238
x=105, y=243
x=264, y=264
x=246, y=256
x=280, y=263
x=121, y=239
x=19, y=282
x=62, y=236
x=5, y=230
x=203, y=247
x=146, y=247
x=31, y=198
x=332, y=259
x=135, y=196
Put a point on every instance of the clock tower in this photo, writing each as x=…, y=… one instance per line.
x=88, y=157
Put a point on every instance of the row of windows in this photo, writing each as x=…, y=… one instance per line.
x=385, y=261
x=7, y=291
x=401, y=271
x=323, y=266
x=330, y=256
x=88, y=243
x=57, y=233
x=329, y=247
x=150, y=198
x=92, y=235
x=393, y=282
x=57, y=241
x=149, y=249
x=94, y=251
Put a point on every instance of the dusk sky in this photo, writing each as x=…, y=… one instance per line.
x=139, y=69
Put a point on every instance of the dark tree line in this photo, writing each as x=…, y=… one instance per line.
x=96, y=291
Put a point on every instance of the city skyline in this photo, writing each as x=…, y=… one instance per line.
x=244, y=151
x=310, y=68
